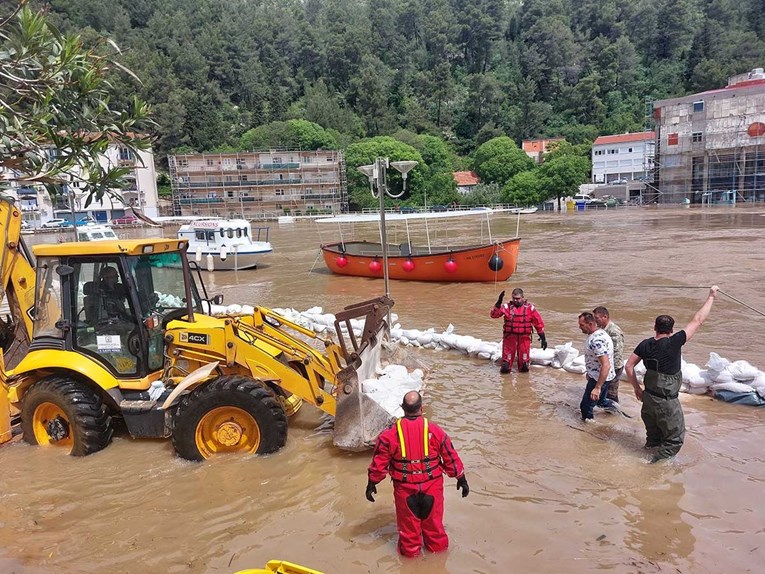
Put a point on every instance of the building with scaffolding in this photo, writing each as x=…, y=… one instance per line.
x=711, y=146
x=258, y=185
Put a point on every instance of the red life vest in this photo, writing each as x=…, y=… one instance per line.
x=419, y=461
x=519, y=321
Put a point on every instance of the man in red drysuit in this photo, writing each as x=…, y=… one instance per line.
x=416, y=453
x=520, y=316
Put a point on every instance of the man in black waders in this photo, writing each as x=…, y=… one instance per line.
x=661, y=354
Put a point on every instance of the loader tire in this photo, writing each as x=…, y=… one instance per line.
x=233, y=413
x=61, y=412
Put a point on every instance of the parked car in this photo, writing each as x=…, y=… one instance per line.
x=86, y=220
x=619, y=182
x=125, y=220
x=582, y=198
x=56, y=223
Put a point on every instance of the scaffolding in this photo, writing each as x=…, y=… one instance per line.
x=258, y=185
x=711, y=146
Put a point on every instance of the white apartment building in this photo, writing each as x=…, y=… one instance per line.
x=622, y=157
x=37, y=207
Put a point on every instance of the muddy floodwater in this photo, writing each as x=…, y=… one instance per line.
x=547, y=494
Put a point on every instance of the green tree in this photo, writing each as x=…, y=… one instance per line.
x=366, y=152
x=483, y=194
x=562, y=176
x=56, y=118
x=293, y=134
x=525, y=188
x=499, y=159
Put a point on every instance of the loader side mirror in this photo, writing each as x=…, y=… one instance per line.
x=64, y=270
x=217, y=299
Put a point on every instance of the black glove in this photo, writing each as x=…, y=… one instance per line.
x=371, y=489
x=463, y=485
x=498, y=304
x=543, y=340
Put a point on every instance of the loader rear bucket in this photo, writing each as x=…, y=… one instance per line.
x=358, y=418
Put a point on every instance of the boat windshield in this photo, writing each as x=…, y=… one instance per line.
x=161, y=283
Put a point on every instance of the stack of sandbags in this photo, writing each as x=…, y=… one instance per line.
x=388, y=389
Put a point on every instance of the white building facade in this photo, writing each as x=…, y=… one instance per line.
x=623, y=157
x=37, y=207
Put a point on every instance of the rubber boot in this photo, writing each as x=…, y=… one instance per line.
x=505, y=368
x=524, y=368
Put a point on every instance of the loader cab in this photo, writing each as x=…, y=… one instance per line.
x=112, y=307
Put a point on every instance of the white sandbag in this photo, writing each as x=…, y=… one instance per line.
x=484, y=356
x=578, y=361
x=697, y=390
x=724, y=377
x=542, y=354
x=702, y=380
x=761, y=392
x=758, y=382
x=486, y=348
x=734, y=387
x=690, y=371
x=566, y=353
x=370, y=386
x=717, y=363
x=574, y=368
x=742, y=371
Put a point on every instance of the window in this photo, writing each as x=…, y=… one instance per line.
x=229, y=178
x=125, y=154
x=242, y=178
x=277, y=160
x=183, y=162
x=629, y=150
x=230, y=193
x=613, y=151
x=698, y=107
x=279, y=192
x=209, y=163
x=672, y=139
x=696, y=137
x=599, y=152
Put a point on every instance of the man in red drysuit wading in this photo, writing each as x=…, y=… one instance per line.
x=520, y=316
x=416, y=453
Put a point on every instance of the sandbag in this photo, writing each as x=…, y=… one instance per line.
x=742, y=371
x=733, y=387
x=565, y=353
x=574, y=368
x=717, y=363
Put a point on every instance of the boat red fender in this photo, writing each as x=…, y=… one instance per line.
x=450, y=265
x=341, y=261
x=375, y=266
x=408, y=265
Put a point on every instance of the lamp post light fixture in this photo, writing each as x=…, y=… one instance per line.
x=377, y=173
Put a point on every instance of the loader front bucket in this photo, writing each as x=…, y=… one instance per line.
x=358, y=418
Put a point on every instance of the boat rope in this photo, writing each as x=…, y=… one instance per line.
x=315, y=260
x=720, y=291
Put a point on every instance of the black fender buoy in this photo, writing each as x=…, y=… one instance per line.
x=496, y=263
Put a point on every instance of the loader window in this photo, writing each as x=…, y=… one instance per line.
x=47, y=311
x=161, y=291
x=104, y=322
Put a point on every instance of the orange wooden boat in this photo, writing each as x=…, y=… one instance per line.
x=490, y=262
x=485, y=261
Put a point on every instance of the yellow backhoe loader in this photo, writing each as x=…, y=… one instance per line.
x=117, y=329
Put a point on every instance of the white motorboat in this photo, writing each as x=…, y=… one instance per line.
x=225, y=243
x=95, y=232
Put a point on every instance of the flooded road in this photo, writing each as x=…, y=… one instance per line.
x=546, y=494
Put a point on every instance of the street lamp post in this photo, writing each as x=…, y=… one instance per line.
x=377, y=173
